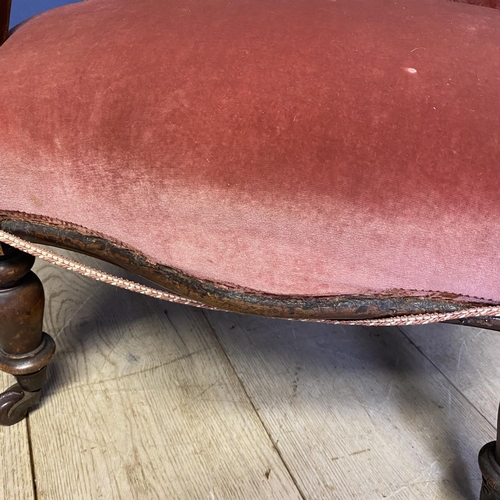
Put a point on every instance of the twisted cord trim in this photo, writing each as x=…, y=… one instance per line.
x=84, y=270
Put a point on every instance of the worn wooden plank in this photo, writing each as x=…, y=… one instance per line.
x=356, y=413
x=142, y=403
x=468, y=357
x=16, y=482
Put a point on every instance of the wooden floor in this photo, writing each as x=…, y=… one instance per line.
x=150, y=400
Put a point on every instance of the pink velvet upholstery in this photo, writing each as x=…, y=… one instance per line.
x=298, y=147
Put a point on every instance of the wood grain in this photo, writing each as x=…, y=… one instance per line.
x=468, y=357
x=356, y=413
x=142, y=403
x=16, y=481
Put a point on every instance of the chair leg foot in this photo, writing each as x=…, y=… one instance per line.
x=25, y=350
x=489, y=463
x=490, y=469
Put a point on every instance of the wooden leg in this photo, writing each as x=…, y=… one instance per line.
x=25, y=350
x=489, y=463
x=490, y=469
x=489, y=456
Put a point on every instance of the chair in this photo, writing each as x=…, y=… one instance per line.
x=313, y=160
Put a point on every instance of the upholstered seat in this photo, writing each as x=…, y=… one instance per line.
x=307, y=159
x=293, y=147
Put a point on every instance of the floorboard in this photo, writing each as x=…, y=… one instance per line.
x=142, y=403
x=356, y=413
x=468, y=357
x=151, y=400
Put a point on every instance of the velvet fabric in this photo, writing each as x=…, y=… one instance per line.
x=295, y=147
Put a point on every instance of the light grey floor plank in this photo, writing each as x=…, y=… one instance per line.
x=142, y=403
x=16, y=482
x=468, y=357
x=356, y=413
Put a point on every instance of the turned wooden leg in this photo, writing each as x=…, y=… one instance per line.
x=25, y=350
x=489, y=463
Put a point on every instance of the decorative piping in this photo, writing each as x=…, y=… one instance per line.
x=82, y=269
